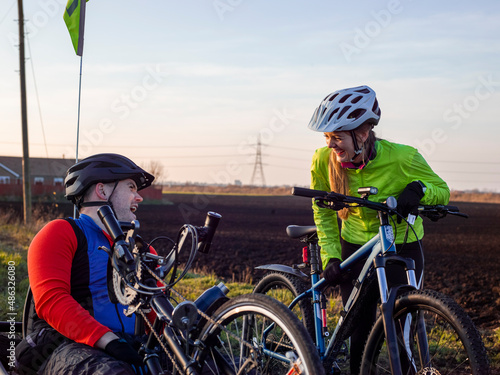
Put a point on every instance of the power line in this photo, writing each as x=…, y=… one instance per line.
x=7, y=13
x=232, y=155
x=292, y=149
x=37, y=99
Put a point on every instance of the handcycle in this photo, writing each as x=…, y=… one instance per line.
x=247, y=334
x=416, y=332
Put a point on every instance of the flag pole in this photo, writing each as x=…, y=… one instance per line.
x=78, y=121
x=74, y=17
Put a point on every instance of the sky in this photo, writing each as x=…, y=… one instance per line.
x=193, y=85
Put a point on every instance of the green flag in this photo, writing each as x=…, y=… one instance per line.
x=74, y=17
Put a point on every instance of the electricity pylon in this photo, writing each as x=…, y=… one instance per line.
x=258, y=170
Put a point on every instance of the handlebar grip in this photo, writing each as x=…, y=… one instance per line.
x=108, y=218
x=310, y=193
x=211, y=223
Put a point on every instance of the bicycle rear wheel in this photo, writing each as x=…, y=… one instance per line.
x=284, y=288
x=255, y=334
x=454, y=344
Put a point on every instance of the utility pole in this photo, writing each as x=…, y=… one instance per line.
x=258, y=169
x=24, y=119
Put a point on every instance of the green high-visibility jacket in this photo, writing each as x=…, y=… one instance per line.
x=393, y=167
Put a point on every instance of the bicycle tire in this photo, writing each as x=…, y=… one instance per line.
x=247, y=316
x=284, y=288
x=455, y=345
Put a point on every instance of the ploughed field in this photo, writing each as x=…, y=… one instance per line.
x=462, y=256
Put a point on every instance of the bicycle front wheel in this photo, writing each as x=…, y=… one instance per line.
x=255, y=334
x=284, y=288
x=435, y=336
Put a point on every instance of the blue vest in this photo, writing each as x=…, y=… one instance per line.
x=89, y=277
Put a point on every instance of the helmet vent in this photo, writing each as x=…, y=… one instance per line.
x=344, y=110
x=344, y=98
x=80, y=166
x=333, y=97
x=356, y=99
x=357, y=113
x=363, y=91
x=331, y=114
x=71, y=181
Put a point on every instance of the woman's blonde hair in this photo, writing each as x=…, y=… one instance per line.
x=339, y=181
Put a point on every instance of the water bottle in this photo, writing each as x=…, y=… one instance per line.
x=212, y=298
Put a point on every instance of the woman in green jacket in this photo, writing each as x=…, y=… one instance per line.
x=355, y=158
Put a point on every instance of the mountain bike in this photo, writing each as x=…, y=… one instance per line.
x=248, y=334
x=416, y=332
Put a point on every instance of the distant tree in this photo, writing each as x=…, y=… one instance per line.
x=156, y=169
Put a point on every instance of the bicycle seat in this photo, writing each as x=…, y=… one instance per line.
x=297, y=231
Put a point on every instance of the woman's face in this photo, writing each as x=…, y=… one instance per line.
x=341, y=143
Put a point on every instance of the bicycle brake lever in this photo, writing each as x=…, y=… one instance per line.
x=110, y=253
x=336, y=206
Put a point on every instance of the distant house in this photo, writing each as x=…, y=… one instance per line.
x=43, y=171
x=46, y=177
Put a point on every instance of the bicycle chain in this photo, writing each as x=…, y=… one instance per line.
x=208, y=318
x=165, y=349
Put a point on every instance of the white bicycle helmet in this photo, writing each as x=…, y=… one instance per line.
x=345, y=110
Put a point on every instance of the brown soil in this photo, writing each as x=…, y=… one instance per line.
x=462, y=255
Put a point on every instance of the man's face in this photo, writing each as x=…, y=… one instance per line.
x=125, y=200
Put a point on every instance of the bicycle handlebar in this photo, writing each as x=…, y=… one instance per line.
x=433, y=212
x=340, y=200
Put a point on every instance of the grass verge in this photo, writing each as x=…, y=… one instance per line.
x=14, y=242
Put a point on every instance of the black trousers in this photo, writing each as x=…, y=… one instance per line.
x=395, y=275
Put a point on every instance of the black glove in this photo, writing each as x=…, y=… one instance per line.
x=409, y=199
x=332, y=273
x=123, y=351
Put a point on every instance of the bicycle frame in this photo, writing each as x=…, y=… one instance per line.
x=177, y=329
x=373, y=256
x=378, y=251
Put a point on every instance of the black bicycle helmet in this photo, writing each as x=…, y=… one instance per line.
x=103, y=168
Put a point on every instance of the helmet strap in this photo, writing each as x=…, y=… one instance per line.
x=93, y=204
x=357, y=150
x=101, y=203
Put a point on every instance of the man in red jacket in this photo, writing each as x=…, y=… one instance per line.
x=77, y=329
